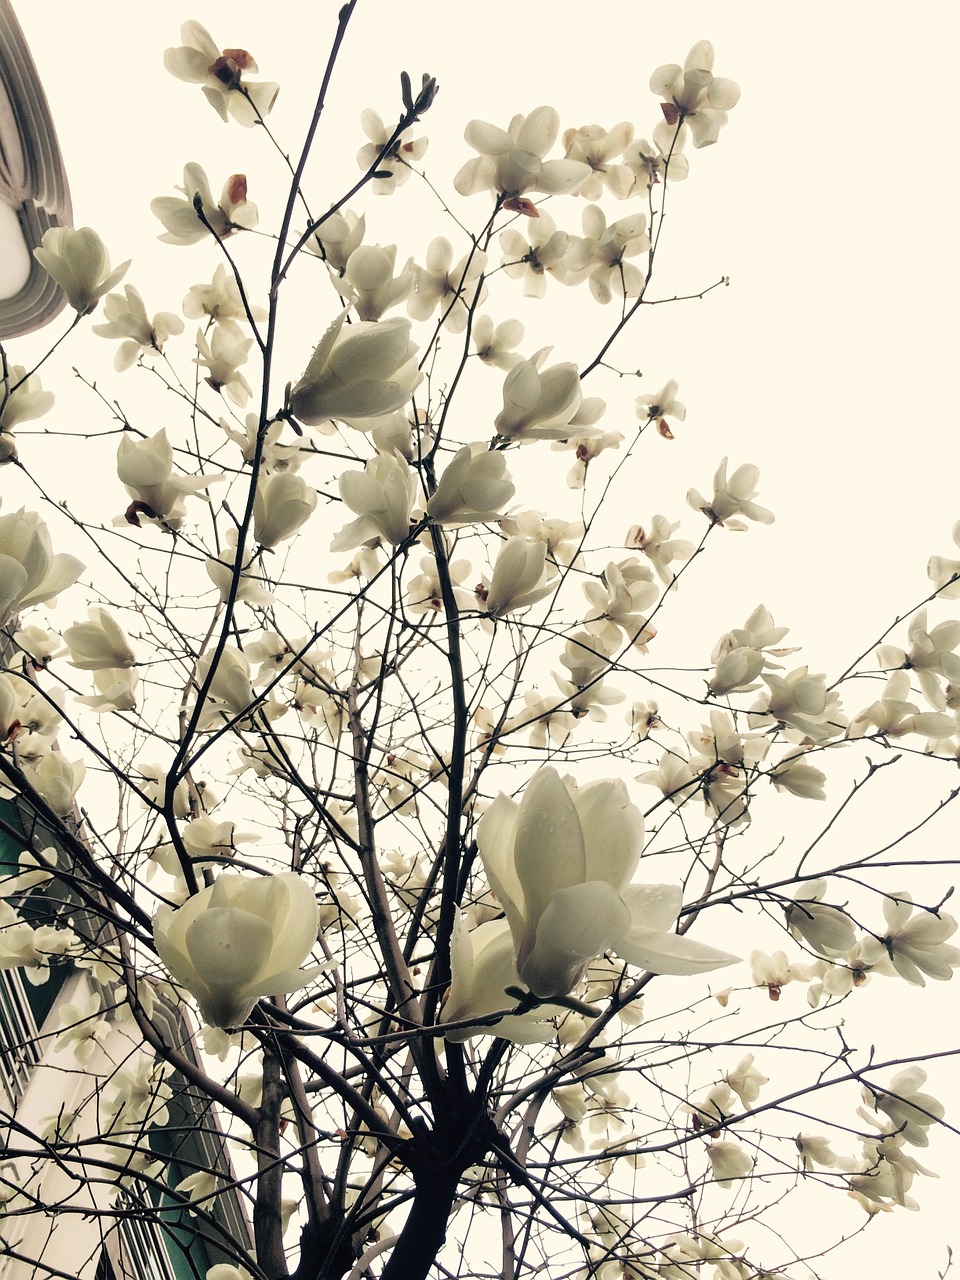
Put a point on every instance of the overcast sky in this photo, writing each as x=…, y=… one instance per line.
x=829, y=202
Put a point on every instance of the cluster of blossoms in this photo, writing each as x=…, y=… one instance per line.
x=549, y=923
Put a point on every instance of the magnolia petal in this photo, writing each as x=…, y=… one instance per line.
x=228, y=945
x=495, y=835
x=654, y=906
x=612, y=829
x=669, y=953
x=548, y=850
x=577, y=924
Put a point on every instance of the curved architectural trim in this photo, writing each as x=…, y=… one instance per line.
x=33, y=186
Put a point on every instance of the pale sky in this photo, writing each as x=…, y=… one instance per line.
x=828, y=201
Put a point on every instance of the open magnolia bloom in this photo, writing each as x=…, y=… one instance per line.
x=694, y=95
x=220, y=73
x=560, y=863
x=240, y=939
x=364, y=371
x=511, y=160
x=145, y=468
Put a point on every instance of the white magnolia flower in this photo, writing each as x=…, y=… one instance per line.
x=393, y=168
x=24, y=947
x=32, y=871
x=827, y=929
x=145, y=468
x=98, y=644
x=909, y=1111
x=659, y=546
x=232, y=212
x=586, y=449
x=712, y=1108
x=801, y=702
x=740, y=655
x=530, y=258
x=655, y=162
x=944, y=573
x=221, y=74
x=370, y=283
x=75, y=258
x=563, y=537
x=616, y=601
x=775, y=971
x=520, y=578
x=238, y=940
x=931, y=654
x=29, y=571
x=662, y=404
x=423, y=590
x=793, y=773
x=337, y=236
x=39, y=643
x=549, y=719
x=745, y=1080
x=688, y=1251
x=127, y=318
x=472, y=488
x=560, y=863
x=733, y=497
x=454, y=289
x=231, y=691
x=222, y=569
x=642, y=718
x=219, y=300
x=601, y=254
x=736, y=670
x=539, y=405
x=511, y=162
x=359, y=371
x=282, y=503
x=815, y=1150
x=21, y=400
x=893, y=715
x=599, y=148
x=729, y=1162
x=496, y=345
x=207, y=837
x=57, y=780
x=222, y=353
x=694, y=96
x=673, y=777
x=116, y=690
x=83, y=1029
x=914, y=942
x=382, y=495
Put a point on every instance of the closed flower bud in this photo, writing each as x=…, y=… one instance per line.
x=283, y=502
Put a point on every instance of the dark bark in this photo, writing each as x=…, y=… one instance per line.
x=462, y=1136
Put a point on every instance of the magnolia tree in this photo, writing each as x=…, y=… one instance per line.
x=352, y=743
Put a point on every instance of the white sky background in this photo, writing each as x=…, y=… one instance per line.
x=829, y=361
